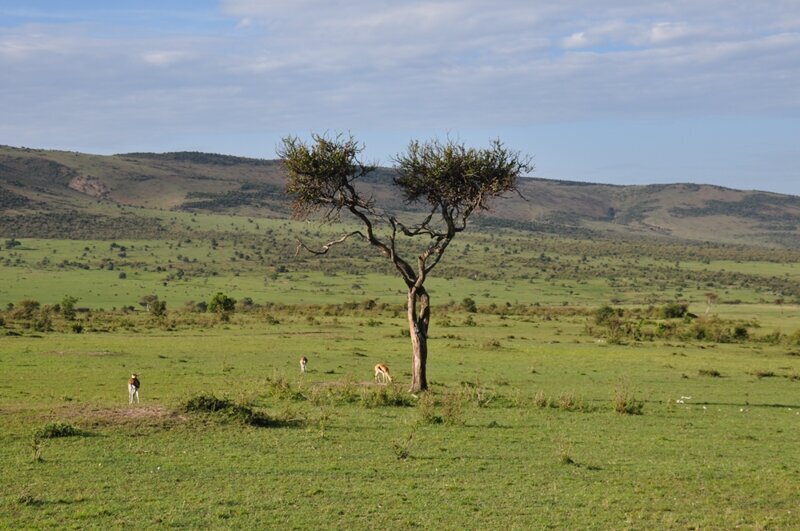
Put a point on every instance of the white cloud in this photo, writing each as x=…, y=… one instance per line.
x=164, y=57
x=448, y=64
x=663, y=32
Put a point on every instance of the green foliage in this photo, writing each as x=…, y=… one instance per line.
x=226, y=410
x=448, y=175
x=606, y=315
x=154, y=306
x=674, y=310
x=206, y=404
x=68, y=307
x=320, y=174
x=221, y=303
x=469, y=305
x=54, y=430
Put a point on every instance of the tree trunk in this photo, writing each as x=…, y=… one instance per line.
x=418, y=321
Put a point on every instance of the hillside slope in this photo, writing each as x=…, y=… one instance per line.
x=58, y=183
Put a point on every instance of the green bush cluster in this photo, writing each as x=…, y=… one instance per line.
x=671, y=321
x=54, y=430
x=227, y=410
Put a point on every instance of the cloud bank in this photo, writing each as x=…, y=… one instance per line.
x=110, y=78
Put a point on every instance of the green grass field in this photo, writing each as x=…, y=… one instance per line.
x=519, y=431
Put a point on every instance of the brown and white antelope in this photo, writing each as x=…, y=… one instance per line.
x=303, y=364
x=133, y=388
x=382, y=374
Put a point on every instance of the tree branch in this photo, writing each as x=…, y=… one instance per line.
x=325, y=248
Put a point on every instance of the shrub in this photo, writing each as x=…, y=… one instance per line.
x=25, y=309
x=68, y=307
x=56, y=429
x=221, y=303
x=710, y=372
x=605, y=315
x=468, y=305
x=225, y=409
x=674, y=310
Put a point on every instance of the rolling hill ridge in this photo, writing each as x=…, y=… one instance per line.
x=76, y=189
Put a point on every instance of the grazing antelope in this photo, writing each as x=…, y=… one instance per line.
x=382, y=374
x=303, y=363
x=133, y=388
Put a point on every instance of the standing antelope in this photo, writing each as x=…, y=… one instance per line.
x=303, y=363
x=133, y=388
x=382, y=374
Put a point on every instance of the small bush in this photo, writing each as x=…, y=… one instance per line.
x=674, y=310
x=606, y=315
x=206, y=404
x=225, y=409
x=279, y=387
x=713, y=373
x=57, y=429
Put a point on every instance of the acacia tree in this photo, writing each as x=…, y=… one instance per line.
x=450, y=180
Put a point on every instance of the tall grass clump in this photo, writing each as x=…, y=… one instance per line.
x=540, y=400
x=386, y=396
x=477, y=393
x=625, y=402
x=453, y=409
x=402, y=447
x=426, y=406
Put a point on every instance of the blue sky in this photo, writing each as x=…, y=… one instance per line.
x=618, y=91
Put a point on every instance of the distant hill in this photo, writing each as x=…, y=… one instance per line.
x=45, y=186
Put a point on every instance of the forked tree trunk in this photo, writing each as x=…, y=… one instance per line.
x=418, y=321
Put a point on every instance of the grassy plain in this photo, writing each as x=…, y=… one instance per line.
x=523, y=431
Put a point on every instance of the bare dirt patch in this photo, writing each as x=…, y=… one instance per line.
x=135, y=416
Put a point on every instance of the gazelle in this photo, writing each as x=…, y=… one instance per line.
x=382, y=374
x=133, y=388
x=303, y=363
